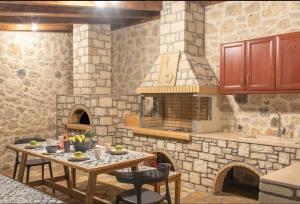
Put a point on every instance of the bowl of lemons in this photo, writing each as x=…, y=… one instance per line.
x=80, y=143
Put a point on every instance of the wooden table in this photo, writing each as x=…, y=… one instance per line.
x=93, y=167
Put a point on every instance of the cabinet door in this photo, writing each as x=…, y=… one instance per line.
x=288, y=62
x=232, y=68
x=260, y=64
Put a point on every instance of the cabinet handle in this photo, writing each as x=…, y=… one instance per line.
x=248, y=79
x=243, y=80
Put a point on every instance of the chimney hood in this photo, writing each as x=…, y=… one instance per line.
x=181, y=66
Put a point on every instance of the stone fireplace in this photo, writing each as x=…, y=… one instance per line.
x=91, y=106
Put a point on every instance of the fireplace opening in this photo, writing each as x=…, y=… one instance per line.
x=238, y=179
x=80, y=120
x=80, y=117
x=84, y=119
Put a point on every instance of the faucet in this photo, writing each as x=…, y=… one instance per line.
x=277, y=122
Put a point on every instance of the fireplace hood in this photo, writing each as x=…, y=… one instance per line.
x=181, y=66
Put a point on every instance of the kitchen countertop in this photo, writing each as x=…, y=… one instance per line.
x=239, y=137
x=288, y=176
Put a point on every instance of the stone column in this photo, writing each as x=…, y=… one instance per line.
x=182, y=27
x=91, y=59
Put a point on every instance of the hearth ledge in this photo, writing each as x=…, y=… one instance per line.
x=161, y=133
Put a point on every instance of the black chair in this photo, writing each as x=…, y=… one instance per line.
x=139, y=195
x=32, y=162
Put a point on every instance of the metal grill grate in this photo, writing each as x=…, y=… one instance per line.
x=177, y=111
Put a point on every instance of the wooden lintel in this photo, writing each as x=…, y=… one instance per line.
x=178, y=89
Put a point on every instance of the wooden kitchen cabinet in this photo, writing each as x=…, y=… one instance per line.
x=288, y=62
x=263, y=65
x=232, y=71
x=260, y=64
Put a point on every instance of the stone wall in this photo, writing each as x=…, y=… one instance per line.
x=92, y=59
x=232, y=21
x=34, y=68
x=135, y=50
x=201, y=159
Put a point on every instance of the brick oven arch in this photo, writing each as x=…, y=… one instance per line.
x=73, y=116
x=219, y=179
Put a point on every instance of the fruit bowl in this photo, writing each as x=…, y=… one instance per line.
x=82, y=146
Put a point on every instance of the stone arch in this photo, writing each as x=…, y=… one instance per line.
x=219, y=179
x=168, y=157
x=77, y=112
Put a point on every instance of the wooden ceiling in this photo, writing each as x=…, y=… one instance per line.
x=61, y=15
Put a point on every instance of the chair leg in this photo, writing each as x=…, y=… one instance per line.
x=15, y=170
x=51, y=174
x=43, y=171
x=117, y=199
x=27, y=173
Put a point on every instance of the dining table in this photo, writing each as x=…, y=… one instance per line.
x=105, y=165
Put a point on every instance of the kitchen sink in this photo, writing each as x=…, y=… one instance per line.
x=272, y=138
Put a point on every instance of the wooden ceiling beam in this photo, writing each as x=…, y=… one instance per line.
x=114, y=15
x=39, y=27
x=59, y=20
x=126, y=5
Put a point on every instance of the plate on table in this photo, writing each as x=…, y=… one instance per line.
x=120, y=152
x=78, y=158
x=29, y=146
x=58, y=152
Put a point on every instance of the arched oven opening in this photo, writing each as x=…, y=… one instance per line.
x=238, y=179
x=80, y=119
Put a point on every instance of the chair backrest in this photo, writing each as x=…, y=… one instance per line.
x=146, y=177
x=27, y=140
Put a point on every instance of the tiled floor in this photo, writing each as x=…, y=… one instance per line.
x=107, y=187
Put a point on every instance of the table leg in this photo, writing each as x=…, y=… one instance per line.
x=22, y=167
x=91, y=186
x=177, y=189
x=68, y=177
x=73, y=174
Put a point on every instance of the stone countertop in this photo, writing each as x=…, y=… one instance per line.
x=239, y=137
x=288, y=176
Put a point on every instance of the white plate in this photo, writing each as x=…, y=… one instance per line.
x=33, y=146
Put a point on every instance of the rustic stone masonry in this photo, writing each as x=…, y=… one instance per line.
x=201, y=159
x=92, y=59
x=107, y=113
x=134, y=50
x=182, y=27
x=34, y=68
